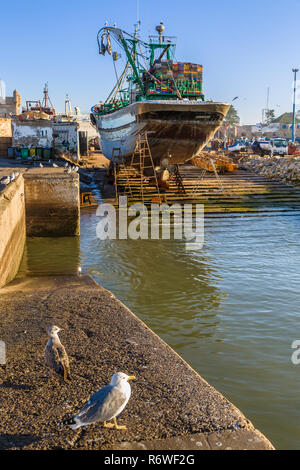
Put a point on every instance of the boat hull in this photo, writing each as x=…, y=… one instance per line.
x=175, y=129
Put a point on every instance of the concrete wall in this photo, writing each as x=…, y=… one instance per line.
x=11, y=105
x=276, y=129
x=52, y=202
x=65, y=135
x=12, y=228
x=5, y=135
x=39, y=202
x=32, y=133
x=86, y=125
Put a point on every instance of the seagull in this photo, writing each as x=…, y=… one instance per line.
x=56, y=357
x=104, y=405
x=12, y=176
x=66, y=165
x=54, y=165
x=68, y=170
x=5, y=180
x=41, y=165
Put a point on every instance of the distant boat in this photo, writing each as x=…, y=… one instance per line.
x=237, y=147
x=162, y=98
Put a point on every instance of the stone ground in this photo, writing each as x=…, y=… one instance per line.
x=171, y=406
x=95, y=160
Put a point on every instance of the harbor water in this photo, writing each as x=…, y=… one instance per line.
x=231, y=309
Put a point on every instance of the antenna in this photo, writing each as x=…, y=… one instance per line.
x=138, y=11
x=268, y=95
x=160, y=29
x=46, y=94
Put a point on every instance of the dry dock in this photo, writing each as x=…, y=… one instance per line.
x=171, y=406
x=237, y=192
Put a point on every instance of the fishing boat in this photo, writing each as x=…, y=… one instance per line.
x=154, y=95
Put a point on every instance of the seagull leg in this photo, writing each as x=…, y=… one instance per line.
x=108, y=425
x=117, y=426
x=66, y=374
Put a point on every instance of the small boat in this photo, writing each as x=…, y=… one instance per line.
x=237, y=147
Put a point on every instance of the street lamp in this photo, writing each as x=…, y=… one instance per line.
x=294, y=104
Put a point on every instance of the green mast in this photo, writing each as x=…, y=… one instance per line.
x=158, y=78
x=130, y=54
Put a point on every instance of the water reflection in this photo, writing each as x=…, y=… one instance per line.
x=155, y=277
x=46, y=256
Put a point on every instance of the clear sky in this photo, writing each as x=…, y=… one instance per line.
x=245, y=47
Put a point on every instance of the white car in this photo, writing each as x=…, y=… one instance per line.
x=276, y=146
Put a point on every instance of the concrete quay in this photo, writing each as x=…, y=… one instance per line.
x=171, y=406
x=38, y=202
x=12, y=228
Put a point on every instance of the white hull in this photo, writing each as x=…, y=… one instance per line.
x=179, y=129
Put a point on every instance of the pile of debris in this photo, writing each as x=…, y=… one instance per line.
x=211, y=161
x=285, y=169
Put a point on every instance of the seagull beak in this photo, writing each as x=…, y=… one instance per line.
x=131, y=377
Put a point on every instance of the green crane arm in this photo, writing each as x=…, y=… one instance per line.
x=130, y=60
x=118, y=35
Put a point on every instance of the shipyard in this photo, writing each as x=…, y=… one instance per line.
x=149, y=232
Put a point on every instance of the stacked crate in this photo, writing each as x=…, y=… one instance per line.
x=187, y=76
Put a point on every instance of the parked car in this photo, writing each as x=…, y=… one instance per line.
x=276, y=146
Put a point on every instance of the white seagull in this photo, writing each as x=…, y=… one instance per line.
x=106, y=404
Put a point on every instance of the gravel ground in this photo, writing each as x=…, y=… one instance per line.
x=101, y=337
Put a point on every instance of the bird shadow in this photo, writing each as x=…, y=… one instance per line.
x=8, y=441
x=16, y=386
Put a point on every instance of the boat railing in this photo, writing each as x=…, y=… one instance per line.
x=162, y=40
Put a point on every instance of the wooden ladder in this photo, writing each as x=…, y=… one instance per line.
x=118, y=163
x=140, y=156
x=178, y=179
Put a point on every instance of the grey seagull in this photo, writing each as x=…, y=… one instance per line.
x=56, y=357
x=106, y=404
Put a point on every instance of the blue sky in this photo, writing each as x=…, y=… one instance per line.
x=245, y=47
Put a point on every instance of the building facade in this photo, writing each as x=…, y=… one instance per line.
x=10, y=105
